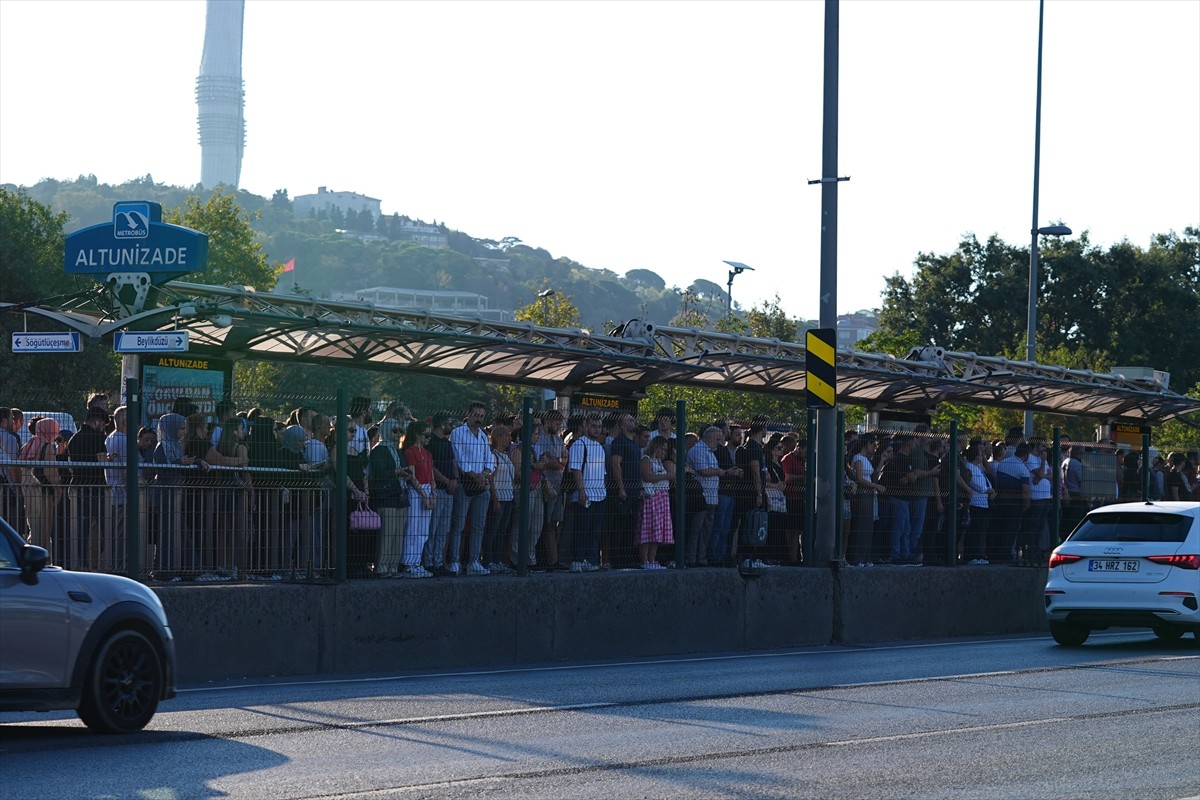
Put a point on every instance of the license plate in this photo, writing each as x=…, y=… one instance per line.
x=1113, y=565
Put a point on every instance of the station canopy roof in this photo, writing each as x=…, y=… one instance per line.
x=239, y=322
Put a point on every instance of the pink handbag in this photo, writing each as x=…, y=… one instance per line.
x=364, y=518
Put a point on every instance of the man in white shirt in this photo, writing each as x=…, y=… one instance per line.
x=476, y=462
x=586, y=464
x=112, y=551
x=1033, y=525
x=703, y=462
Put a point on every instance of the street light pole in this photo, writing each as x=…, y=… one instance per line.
x=1034, y=230
x=738, y=269
x=546, y=294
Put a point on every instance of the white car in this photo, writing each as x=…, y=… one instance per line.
x=1130, y=565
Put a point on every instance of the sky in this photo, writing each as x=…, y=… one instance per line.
x=669, y=136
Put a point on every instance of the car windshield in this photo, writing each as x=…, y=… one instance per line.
x=1133, y=527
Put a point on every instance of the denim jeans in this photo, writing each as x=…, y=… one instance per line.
x=475, y=508
x=439, y=529
x=586, y=544
x=917, y=507
x=718, y=542
x=899, y=527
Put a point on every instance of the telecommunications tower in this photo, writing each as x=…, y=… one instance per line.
x=221, y=96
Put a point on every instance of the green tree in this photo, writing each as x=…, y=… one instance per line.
x=235, y=255
x=558, y=310
x=553, y=311
x=31, y=271
x=1125, y=306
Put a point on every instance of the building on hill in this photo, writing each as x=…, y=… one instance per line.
x=855, y=327
x=304, y=205
x=458, y=304
x=417, y=231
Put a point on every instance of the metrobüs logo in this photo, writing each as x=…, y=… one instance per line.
x=131, y=220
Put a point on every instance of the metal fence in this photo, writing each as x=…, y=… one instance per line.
x=667, y=492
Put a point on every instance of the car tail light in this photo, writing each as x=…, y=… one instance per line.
x=1058, y=559
x=1183, y=562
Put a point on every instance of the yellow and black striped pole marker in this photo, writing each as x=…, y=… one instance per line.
x=820, y=383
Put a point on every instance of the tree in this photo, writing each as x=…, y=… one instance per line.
x=769, y=321
x=645, y=279
x=556, y=311
x=235, y=256
x=31, y=271
x=1126, y=306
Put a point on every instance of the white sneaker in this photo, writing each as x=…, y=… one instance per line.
x=475, y=568
x=589, y=567
x=759, y=564
x=418, y=572
x=454, y=568
x=647, y=565
x=577, y=566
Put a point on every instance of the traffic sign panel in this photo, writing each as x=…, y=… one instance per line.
x=820, y=361
x=150, y=341
x=47, y=342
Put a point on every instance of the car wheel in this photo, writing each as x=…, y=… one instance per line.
x=1168, y=632
x=1067, y=634
x=122, y=685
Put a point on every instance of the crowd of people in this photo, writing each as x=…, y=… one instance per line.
x=240, y=494
x=898, y=492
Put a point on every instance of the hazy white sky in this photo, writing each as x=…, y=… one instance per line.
x=658, y=135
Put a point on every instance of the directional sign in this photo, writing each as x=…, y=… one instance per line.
x=820, y=383
x=150, y=341
x=41, y=342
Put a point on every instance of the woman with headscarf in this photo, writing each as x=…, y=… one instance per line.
x=167, y=494
x=388, y=489
x=42, y=485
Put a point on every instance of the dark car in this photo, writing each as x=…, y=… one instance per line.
x=98, y=644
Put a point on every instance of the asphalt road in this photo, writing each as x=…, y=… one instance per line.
x=1010, y=717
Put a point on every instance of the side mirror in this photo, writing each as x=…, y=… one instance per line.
x=33, y=560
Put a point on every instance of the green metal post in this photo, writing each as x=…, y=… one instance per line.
x=950, y=524
x=1145, y=467
x=839, y=486
x=680, y=484
x=1055, y=483
x=341, y=475
x=523, y=533
x=133, y=514
x=810, y=493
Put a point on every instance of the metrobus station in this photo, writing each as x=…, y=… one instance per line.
x=160, y=322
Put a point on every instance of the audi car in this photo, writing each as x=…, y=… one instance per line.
x=1129, y=565
x=97, y=644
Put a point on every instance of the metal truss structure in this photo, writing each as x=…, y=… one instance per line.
x=239, y=322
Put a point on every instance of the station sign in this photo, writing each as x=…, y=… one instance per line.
x=47, y=342
x=136, y=240
x=150, y=341
x=581, y=403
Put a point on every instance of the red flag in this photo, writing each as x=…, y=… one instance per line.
x=289, y=266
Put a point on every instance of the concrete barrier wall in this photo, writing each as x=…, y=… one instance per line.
x=254, y=631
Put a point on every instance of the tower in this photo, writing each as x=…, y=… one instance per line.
x=220, y=95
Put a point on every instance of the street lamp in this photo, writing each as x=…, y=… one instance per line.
x=546, y=294
x=1035, y=231
x=738, y=269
